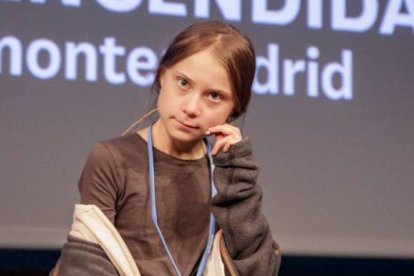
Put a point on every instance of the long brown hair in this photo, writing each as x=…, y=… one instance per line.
x=228, y=44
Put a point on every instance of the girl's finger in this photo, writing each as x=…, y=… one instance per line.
x=226, y=147
x=216, y=148
x=218, y=145
x=225, y=130
x=223, y=144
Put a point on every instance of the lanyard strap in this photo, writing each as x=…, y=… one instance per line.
x=154, y=216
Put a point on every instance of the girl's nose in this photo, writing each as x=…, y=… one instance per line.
x=192, y=105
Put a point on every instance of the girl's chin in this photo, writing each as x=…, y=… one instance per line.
x=184, y=137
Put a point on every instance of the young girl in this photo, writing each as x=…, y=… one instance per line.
x=162, y=201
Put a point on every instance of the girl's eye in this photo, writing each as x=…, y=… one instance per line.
x=216, y=96
x=183, y=83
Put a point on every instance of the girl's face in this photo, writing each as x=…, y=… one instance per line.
x=195, y=95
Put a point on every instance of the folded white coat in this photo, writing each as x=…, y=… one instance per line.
x=91, y=224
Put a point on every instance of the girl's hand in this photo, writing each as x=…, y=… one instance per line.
x=226, y=136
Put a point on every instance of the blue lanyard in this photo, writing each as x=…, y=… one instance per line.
x=154, y=216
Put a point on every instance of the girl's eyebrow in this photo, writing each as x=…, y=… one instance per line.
x=183, y=75
x=223, y=92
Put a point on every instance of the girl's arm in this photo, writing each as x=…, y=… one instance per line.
x=97, y=186
x=237, y=208
x=98, y=183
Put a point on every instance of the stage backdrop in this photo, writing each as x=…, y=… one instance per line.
x=331, y=117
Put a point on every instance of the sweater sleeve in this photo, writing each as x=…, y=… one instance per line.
x=98, y=181
x=79, y=257
x=237, y=209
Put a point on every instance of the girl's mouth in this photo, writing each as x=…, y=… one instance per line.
x=187, y=125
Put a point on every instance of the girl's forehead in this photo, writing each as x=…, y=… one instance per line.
x=204, y=65
x=203, y=57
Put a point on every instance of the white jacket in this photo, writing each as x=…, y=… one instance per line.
x=90, y=224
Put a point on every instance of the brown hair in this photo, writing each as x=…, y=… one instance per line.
x=230, y=46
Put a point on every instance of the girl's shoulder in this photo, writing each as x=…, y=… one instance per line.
x=126, y=142
x=127, y=148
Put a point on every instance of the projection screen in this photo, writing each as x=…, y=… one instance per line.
x=330, y=118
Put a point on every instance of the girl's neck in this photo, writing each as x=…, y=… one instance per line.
x=161, y=141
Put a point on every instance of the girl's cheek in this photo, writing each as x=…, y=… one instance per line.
x=213, y=123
